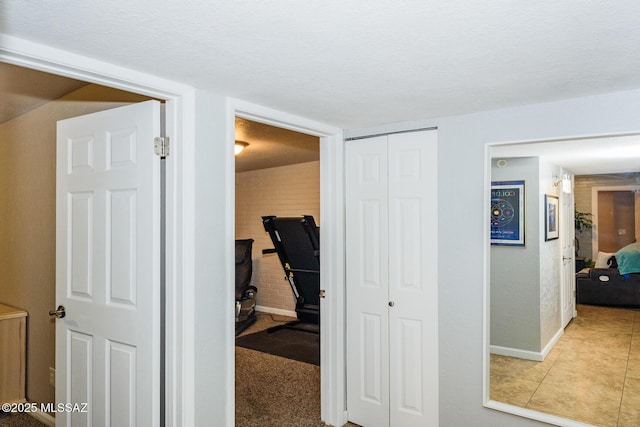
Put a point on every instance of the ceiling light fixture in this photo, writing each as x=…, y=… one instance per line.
x=239, y=146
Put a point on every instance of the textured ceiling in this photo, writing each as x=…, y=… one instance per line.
x=355, y=63
x=271, y=146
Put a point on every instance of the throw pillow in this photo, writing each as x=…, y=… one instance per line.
x=601, y=260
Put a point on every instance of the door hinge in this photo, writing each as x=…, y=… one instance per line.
x=161, y=146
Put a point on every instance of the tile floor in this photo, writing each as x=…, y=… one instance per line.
x=592, y=375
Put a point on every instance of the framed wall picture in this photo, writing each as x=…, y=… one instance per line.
x=552, y=217
x=507, y=213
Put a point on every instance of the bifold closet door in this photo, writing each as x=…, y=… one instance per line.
x=367, y=273
x=392, y=333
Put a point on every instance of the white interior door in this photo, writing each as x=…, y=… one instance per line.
x=108, y=267
x=567, y=236
x=391, y=250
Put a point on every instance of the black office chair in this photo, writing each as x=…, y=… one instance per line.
x=245, y=292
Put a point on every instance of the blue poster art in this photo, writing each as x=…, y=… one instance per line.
x=507, y=213
x=551, y=217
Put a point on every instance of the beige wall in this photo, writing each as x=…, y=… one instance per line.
x=27, y=220
x=282, y=191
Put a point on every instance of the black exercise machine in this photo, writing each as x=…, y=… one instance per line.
x=297, y=243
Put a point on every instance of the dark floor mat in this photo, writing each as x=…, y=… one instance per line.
x=290, y=343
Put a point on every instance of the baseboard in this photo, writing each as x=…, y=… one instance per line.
x=552, y=342
x=43, y=417
x=517, y=352
x=537, y=356
x=278, y=311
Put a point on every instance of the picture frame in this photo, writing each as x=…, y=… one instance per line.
x=551, y=217
x=507, y=213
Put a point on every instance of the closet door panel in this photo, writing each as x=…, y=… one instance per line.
x=413, y=279
x=367, y=282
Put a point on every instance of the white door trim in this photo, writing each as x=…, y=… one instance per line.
x=332, y=352
x=568, y=250
x=180, y=200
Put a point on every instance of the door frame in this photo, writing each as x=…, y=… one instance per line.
x=564, y=240
x=332, y=251
x=180, y=203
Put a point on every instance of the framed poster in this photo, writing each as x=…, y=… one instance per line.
x=551, y=217
x=507, y=213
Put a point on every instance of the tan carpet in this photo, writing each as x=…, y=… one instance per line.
x=272, y=390
x=18, y=420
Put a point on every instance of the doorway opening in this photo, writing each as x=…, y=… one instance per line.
x=32, y=105
x=277, y=174
x=614, y=205
x=616, y=212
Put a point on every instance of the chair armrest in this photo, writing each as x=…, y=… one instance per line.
x=584, y=273
x=249, y=292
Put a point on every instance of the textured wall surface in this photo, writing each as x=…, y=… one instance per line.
x=283, y=191
x=550, y=258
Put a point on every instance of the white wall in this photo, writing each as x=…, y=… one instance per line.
x=515, y=271
x=213, y=263
x=461, y=203
x=525, y=281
